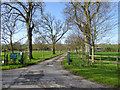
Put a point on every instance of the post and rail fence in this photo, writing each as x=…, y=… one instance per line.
x=117, y=60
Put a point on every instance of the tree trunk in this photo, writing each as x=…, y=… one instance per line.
x=92, y=53
x=42, y=53
x=87, y=46
x=11, y=44
x=29, y=35
x=53, y=48
x=76, y=50
x=81, y=52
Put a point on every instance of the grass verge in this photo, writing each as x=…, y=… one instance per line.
x=105, y=74
x=37, y=58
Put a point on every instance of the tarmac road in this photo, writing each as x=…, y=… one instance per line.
x=46, y=74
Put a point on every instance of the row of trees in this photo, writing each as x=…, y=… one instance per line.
x=31, y=14
x=75, y=41
x=93, y=20
x=36, y=46
x=89, y=20
x=51, y=30
x=16, y=46
x=22, y=12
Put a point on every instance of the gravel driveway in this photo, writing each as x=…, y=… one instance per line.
x=46, y=74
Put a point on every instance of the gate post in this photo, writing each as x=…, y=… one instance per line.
x=6, y=61
x=68, y=57
x=21, y=57
x=4, y=56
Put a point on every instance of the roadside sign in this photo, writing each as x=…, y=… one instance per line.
x=13, y=56
x=18, y=54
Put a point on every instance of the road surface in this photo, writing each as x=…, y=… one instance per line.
x=46, y=74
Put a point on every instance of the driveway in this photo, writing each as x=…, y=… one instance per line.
x=46, y=74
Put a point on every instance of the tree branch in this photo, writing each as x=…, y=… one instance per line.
x=15, y=9
x=96, y=10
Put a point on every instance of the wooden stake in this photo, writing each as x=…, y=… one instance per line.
x=117, y=62
x=100, y=61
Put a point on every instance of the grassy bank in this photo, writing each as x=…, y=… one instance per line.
x=105, y=74
x=37, y=58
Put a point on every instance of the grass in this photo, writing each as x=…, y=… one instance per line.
x=106, y=74
x=37, y=58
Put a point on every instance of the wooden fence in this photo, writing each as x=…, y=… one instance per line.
x=116, y=62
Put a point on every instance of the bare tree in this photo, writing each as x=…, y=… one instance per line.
x=25, y=13
x=8, y=31
x=59, y=46
x=75, y=40
x=40, y=44
x=51, y=30
x=89, y=16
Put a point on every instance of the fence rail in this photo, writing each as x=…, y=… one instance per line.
x=116, y=62
x=104, y=56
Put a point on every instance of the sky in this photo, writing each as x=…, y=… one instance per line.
x=56, y=9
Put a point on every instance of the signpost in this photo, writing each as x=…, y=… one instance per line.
x=21, y=57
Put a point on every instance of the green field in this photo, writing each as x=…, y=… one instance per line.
x=106, y=73
x=37, y=55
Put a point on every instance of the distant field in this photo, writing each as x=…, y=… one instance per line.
x=106, y=74
x=37, y=58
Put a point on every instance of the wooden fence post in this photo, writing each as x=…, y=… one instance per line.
x=6, y=61
x=117, y=62
x=100, y=61
x=81, y=54
x=68, y=58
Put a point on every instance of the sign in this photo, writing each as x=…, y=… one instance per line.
x=13, y=56
x=18, y=54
